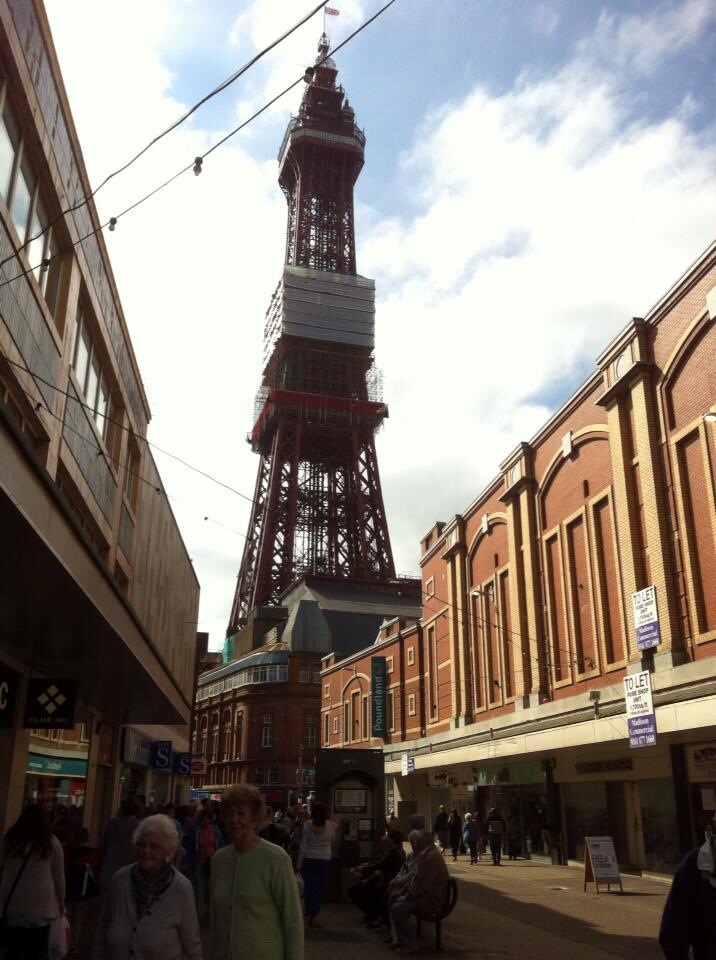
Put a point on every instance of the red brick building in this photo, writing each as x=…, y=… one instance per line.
x=509, y=690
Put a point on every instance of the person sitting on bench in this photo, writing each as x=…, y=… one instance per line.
x=371, y=894
x=422, y=887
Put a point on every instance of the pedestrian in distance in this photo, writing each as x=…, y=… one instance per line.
x=255, y=910
x=205, y=839
x=471, y=832
x=454, y=833
x=314, y=858
x=689, y=919
x=440, y=828
x=117, y=847
x=149, y=911
x=495, y=827
x=32, y=884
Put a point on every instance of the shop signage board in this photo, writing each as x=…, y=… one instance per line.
x=407, y=764
x=600, y=863
x=137, y=748
x=378, y=685
x=701, y=758
x=646, y=618
x=9, y=682
x=181, y=764
x=162, y=755
x=641, y=721
x=198, y=766
x=45, y=766
x=50, y=704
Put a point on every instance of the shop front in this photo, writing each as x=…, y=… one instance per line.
x=701, y=769
x=627, y=796
x=520, y=794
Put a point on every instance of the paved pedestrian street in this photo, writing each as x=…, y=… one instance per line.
x=519, y=910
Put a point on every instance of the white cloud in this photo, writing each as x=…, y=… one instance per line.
x=540, y=220
x=545, y=18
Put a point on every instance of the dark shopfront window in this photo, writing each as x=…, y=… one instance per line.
x=56, y=775
x=659, y=824
x=526, y=815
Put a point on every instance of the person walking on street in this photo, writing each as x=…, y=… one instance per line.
x=205, y=839
x=689, y=919
x=32, y=884
x=495, y=826
x=117, y=848
x=440, y=828
x=454, y=833
x=314, y=858
x=471, y=830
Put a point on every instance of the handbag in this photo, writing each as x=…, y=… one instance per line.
x=8, y=898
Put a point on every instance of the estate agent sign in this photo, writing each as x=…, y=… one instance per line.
x=646, y=618
x=641, y=721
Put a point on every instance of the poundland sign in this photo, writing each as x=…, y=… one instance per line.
x=378, y=684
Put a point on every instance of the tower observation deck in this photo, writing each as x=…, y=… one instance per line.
x=318, y=505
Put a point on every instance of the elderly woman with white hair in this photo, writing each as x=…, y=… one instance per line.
x=149, y=912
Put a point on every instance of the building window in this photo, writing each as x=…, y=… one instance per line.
x=346, y=722
x=391, y=710
x=309, y=737
x=411, y=704
x=411, y=656
x=327, y=690
x=20, y=189
x=272, y=775
x=267, y=730
x=304, y=675
x=327, y=730
x=430, y=587
x=365, y=730
x=388, y=664
x=316, y=673
x=335, y=724
x=259, y=775
x=93, y=384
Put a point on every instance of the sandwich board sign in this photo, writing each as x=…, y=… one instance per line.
x=600, y=863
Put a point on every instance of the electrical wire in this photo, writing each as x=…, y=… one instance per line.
x=112, y=221
x=122, y=426
x=40, y=404
x=173, y=126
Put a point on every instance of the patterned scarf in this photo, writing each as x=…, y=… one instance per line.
x=148, y=890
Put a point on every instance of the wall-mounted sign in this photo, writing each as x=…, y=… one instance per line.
x=181, y=764
x=50, y=704
x=646, y=618
x=641, y=721
x=9, y=682
x=198, y=766
x=407, y=764
x=701, y=759
x=605, y=766
x=378, y=685
x=162, y=755
x=137, y=748
x=44, y=766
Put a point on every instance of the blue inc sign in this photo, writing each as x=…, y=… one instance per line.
x=646, y=618
x=641, y=720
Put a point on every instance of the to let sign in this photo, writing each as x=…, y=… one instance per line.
x=641, y=721
x=378, y=684
x=646, y=618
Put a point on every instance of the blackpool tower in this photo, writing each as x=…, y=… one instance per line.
x=318, y=506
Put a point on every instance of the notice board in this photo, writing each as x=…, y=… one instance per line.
x=600, y=863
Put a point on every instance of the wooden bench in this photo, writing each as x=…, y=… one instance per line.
x=437, y=918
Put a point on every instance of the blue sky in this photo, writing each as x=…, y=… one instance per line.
x=536, y=174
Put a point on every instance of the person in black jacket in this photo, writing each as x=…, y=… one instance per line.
x=689, y=918
x=440, y=828
x=370, y=894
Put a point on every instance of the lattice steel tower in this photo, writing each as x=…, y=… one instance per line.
x=318, y=505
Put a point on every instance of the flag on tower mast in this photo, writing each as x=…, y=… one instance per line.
x=331, y=11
